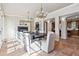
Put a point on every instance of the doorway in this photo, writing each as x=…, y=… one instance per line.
x=73, y=27
x=45, y=26
x=53, y=26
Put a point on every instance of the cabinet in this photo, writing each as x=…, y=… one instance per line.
x=73, y=28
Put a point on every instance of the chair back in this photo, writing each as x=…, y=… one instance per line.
x=50, y=41
x=27, y=38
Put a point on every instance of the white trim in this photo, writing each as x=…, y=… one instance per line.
x=64, y=11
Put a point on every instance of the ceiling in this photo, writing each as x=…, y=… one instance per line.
x=21, y=9
x=73, y=16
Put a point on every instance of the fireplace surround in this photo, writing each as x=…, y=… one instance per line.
x=22, y=29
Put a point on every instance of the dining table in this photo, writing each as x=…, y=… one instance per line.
x=38, y=37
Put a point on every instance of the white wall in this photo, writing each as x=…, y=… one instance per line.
x=1, y=26
x=1, y=29
x=10, y=27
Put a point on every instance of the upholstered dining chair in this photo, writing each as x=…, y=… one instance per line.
x=48, y=44
x=31, y=46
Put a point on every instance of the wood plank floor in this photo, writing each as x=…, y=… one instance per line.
x=68, y=47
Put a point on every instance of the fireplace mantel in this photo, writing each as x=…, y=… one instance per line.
x=24, y=23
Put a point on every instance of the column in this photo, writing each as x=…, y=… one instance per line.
x=49, y=25
x=57, y=28
x=63, y=28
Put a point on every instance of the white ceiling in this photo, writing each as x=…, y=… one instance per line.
x=20, y=9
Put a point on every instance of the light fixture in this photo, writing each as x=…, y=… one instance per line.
x=28, y=16
x=41, y=13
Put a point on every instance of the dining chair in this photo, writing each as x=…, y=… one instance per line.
x=31, y=45
x=48, y=44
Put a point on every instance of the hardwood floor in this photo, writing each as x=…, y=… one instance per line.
x=68, y=47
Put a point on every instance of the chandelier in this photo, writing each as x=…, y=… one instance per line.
x=41, y=13
x=28, y=15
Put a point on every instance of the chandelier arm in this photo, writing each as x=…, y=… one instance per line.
x=41, y=13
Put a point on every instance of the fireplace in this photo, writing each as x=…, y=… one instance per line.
x=22, y=29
